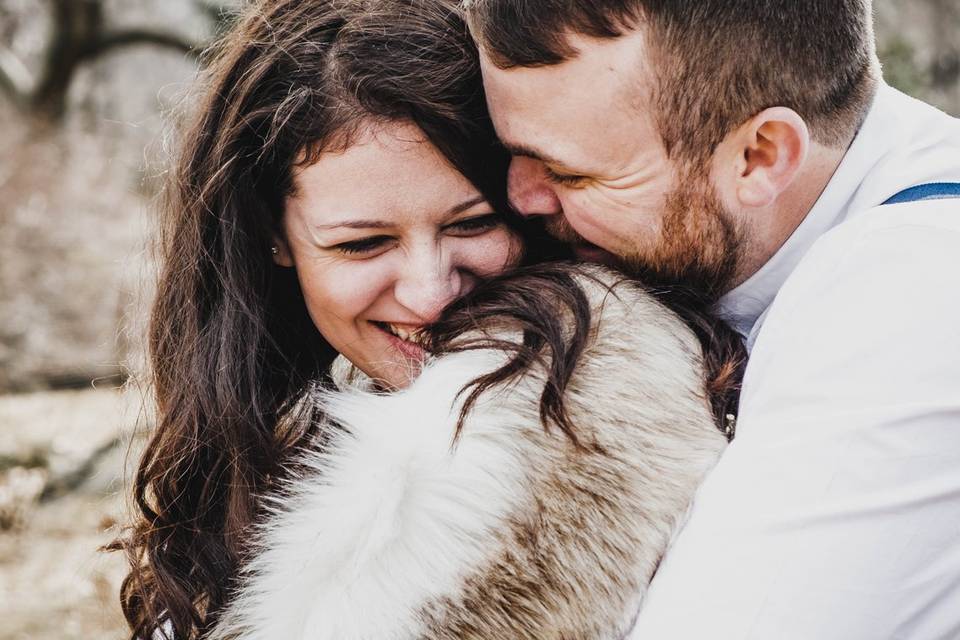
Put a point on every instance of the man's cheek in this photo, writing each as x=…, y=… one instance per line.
x=595, y=217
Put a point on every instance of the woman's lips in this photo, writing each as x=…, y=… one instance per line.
x=410, y=350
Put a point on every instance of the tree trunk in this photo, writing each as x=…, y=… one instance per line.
x=79, y=36
x=76, y=25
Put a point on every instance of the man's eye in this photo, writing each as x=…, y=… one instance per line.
x=477, y=224
x=367, y=245
x=563, y=179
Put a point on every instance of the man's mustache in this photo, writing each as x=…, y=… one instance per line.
x=560, y=229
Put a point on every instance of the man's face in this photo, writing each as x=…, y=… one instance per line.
x=588, y=154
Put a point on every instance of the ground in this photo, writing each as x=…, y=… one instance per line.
x=54, y=583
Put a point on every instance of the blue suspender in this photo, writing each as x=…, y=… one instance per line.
x=931, y=191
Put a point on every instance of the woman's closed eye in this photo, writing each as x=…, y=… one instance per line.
x=364, y=245
x=475, y=225
x=468, y=227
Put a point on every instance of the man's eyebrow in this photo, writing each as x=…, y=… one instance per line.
x=529, y=152
x=385, y=224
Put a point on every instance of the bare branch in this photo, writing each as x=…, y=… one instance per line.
x=79, y=36
x=15, y=79
x=130, y=37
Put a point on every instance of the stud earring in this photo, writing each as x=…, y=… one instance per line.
x=274, y=250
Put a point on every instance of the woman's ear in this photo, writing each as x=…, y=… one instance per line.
x=280, y=252
x=766, y=154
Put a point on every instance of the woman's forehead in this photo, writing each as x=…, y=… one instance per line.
x=390, y=171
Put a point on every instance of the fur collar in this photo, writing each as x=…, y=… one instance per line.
x=390, y=533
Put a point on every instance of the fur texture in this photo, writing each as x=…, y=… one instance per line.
x=391, y=533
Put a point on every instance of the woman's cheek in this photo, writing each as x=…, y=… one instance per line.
x=490, y=254
x=340, y=290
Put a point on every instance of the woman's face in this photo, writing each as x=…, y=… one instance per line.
x=383, y=236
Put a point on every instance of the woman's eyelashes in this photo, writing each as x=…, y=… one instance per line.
x=476, y=225
x=468, y=227
x=364, y=245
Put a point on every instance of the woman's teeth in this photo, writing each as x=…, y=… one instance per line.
x=406, y=333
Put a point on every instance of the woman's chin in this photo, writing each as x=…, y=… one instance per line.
x=400, y=366
x=398, y=376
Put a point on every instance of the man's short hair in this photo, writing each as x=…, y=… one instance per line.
x=717, y=62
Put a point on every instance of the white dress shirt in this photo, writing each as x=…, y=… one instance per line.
x=835, y=513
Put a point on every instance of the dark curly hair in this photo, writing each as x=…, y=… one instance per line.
x=231, y=346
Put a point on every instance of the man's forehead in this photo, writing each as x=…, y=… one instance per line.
x=552, y=113
x=559, y=146
x=620, y=62
x=606, y=73
x=531, y=151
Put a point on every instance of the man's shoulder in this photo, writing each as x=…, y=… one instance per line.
x=920, y=235
x=939, y=212
x=905, y=142
x=922, y=147
x=870, y=310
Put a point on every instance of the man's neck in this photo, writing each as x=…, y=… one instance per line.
x=773, y=226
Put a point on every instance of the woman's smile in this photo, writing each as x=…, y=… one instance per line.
x=379, y=251
x=407, y=339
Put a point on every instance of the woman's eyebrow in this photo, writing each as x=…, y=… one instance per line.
x=383, y=224
x=355, y=224
x=466, y=204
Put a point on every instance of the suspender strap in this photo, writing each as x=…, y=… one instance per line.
x=931, y=191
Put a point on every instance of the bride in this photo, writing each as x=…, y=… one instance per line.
x=373, y=421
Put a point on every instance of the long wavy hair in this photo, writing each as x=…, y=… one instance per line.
x=231, y=346
x=552, y=311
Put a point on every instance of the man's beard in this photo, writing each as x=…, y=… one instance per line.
x=698, y=250
x=560, y=229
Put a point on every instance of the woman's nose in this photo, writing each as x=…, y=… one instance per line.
x=427, y=284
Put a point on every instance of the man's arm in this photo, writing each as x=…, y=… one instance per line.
x=836, y=511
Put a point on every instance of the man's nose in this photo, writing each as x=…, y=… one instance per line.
x=528, y=189
x=428, y=283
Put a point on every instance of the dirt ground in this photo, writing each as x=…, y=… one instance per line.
x=54, y=583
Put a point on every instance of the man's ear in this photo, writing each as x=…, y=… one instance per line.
x=280, y=251
x=766, y=153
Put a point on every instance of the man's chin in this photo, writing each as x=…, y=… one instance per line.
x=585, y=252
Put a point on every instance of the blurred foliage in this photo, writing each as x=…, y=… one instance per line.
x=919, y=45
x=900, y=67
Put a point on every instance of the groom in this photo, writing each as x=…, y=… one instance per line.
x=750, y=149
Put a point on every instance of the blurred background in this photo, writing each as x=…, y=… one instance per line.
x=87, y=89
